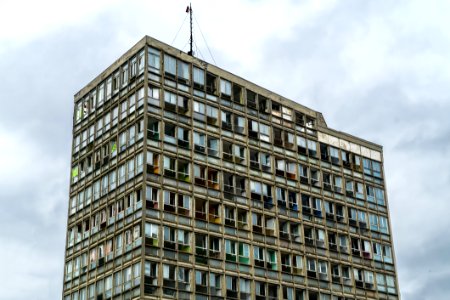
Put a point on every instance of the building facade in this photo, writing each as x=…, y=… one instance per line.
x=189, y=182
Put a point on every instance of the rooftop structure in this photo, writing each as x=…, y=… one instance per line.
x=189, y=182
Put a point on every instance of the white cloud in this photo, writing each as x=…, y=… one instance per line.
x=375, y=69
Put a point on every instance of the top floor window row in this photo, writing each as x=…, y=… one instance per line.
x=110, y=87
x=205, y=81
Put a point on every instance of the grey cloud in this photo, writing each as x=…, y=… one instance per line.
x=405, y=110
x=38, y=94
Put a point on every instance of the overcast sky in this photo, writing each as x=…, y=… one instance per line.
x=379, y=70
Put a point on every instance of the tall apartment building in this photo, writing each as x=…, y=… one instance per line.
x=189, y=182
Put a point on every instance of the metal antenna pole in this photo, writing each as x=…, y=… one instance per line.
x=191, y=41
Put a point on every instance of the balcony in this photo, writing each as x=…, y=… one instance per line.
x=213, y=184
x=304, y=180
x=307, y=210
x=367, y=255
x=309, y=241
x=202, y=289
x=200, y=181
x=317, y=213
x=214, y=219
x=255, y=165
x=333, y=247
x=330, y=216
x=311, y=274
x=284, y=235
x=183, y=143
x=184, y=248
x=336, y=278
x=260, y=263
x=245, y=295
x=230, y=257
x=184, y=211
x=183, y=177
x=356, y=252
x=200, y=215
x=228, y=189
x=227, y=156
x=170, y=245
x=257, y=228
x=230, y=222
x=227, y=125
x=214, y=253
x=152, y=169
x=323, y=276
x=232, y=294
x=253, y=134
x=201, y=251
x=270, y=231
x=244, y=260
x=169, y=173
x=199, y=148
x=151, y=242
x=169, y=207
x=286, y=268
x=242, y=225
x=320, y=244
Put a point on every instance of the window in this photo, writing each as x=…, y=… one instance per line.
x=183, y=237
x=334, y=153
x=379, y=196
x=258, y=254
x=153, y=60
x=153, y=92
x=170, y=98
x=183, y=70
x=170, y=133
x=244, y=253
x=370, y=193
x=230, y=250
x=381, y=282
x=169, y=234
x=124, y=75
x=151, y=230
x=288, y=293
x=170, y=65
x=108, y=88
x=260, y=288
x=312, y=148
x=311, y=265
x=225, y=87
x=264, y=131
x=231, y=283
x=199, y=111
x=212, y=114
x=323, y=267
x=359, y=190
x=199, y=141
x=255, y=187
x=337, y=184
x=390, y=281
x=213, y=146
x=374, y=226
x=239, y=124
x=199, y=77
x=384, y=225
x=101, y=94
x=376, y=168
x=287, y=113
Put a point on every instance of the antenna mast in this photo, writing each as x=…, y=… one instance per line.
x=191, y=40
